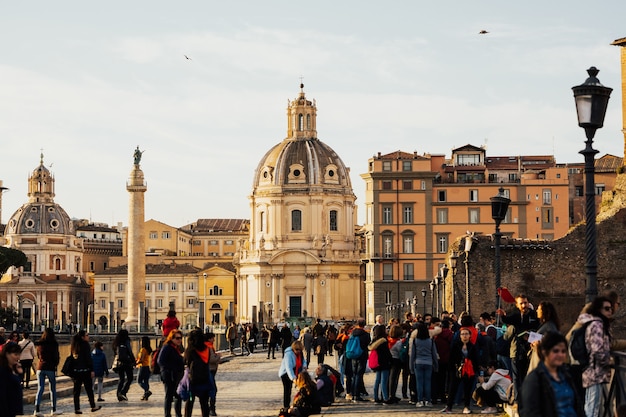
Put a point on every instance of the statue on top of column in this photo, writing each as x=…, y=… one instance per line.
x=137, y=155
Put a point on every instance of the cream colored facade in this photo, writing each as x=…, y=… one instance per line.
x=301, y=258
x=168, y=284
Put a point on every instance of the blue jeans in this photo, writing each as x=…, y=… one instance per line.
x=143, y=379
x=423, y=376
x=52, y=382
x=594, y=397
x=381, y=383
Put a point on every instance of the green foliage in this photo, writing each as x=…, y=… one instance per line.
x=11, y=257
x=8, y=316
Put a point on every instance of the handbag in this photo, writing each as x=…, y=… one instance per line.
x=184, y=386
x=116, y=365
x=68, y=366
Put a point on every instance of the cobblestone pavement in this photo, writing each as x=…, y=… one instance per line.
x=248, y=386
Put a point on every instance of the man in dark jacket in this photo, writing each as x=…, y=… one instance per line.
x=358, y=365
x=524, y=319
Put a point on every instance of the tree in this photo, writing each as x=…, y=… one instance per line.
x=8, y=316
x=11, y=257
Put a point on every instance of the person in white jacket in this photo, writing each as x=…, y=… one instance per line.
x=493, y=391
x=26, y=358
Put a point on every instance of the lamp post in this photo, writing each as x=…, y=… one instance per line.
x=442, y=280
x=469, y=242
x=424, y=299
x=453, y=265
x=431, y=287
x=499, y=208
x=591, y=99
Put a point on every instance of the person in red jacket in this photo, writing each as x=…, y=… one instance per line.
x=170, y=323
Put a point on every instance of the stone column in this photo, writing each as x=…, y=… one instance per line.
x=136, y=288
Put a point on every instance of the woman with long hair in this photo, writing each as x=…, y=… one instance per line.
x=143, y=363
x=201, y=383
x=306, y=401
x=549, y=322
x=126, y=359
x=598, y=341
x=381, y=382
x=172, y=368
x=423, y=358
x=83, y=370
x=395, y=347
x=549, y=390
x=10, y=380
x=462, y=366
x=48, y=356
x=26, y=358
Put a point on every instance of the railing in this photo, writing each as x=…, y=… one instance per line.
x=617, y=390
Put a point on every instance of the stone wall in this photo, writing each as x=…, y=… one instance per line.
x=548, y=271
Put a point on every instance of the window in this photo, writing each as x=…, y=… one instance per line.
x=408, y=272
x=160, y=286
x=104, y=287
x=261, y=221
x=386, y=165
x=120, y=287
x=547, y=197
x=105, y=265
x=408, y=244
x=296, y=221
x=387, y=215
x=148, y=303
x=407, y=214
x=442, y=215
x=197, y=242
x=147, y=286
x=388, y=297
x=120, y=303
x=213, y=242
x=423, y=185
x=165, y=235
x=507, y=193
x=465, y=159
x=407, y=185
x=441, y=195
x=92, y=266
x=600, y=189
x=387, y=246
x=386, y=185
x=473, y=195
x=387, y=271
x=332, y=221
x=191, y=302
x=154, y=234
x=474, y=215
x=442, y=243
x=513, y=178
x=173, y=286
x=407, y=166
x=215, y=290
x=191, y=286
x=103, y=304
x=546, y=218
x=159, y=303
x=228, y=242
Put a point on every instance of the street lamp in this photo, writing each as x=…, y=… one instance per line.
x=469, y=242
x=431, y=287
x=591, y=99
x=454, y=258
x=499, y=208
x=424, y=298
x=442, y=281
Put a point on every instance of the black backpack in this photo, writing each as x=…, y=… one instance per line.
x=578, y=347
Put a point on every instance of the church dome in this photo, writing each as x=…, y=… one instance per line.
x=301, y=159
x=41, y=215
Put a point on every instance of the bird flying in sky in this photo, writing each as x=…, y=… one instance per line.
x=483, y=32
x=187, y=57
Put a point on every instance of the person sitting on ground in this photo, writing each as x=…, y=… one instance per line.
x=306, y=402
x=493, y=391
x=325, y=387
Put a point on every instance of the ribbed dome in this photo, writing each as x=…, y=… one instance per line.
x=40, y=218
x=308, y=161
x=301, y=158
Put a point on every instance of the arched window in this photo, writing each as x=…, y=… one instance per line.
x=296, y=221
x=332, y=220
x=216, y=306
x=300, y=122
x=261, y=221
x=57, y=264
x=308, y=122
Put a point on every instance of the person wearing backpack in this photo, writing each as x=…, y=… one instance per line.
x=359, y=363
x=379, y=348
x=597, y=374
x=395, y=347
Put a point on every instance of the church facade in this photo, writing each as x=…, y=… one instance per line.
x=301, y=258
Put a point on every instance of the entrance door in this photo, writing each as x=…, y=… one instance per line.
x=295, y=306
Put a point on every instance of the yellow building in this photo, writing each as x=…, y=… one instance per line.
x=168, y=286
x=416, y=205
x=216, y=290
x=301, y=258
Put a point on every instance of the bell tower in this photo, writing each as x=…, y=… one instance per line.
x=301, y=118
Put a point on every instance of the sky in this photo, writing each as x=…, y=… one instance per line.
x=88, y=82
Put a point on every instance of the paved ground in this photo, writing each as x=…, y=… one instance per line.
x=248, y=386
